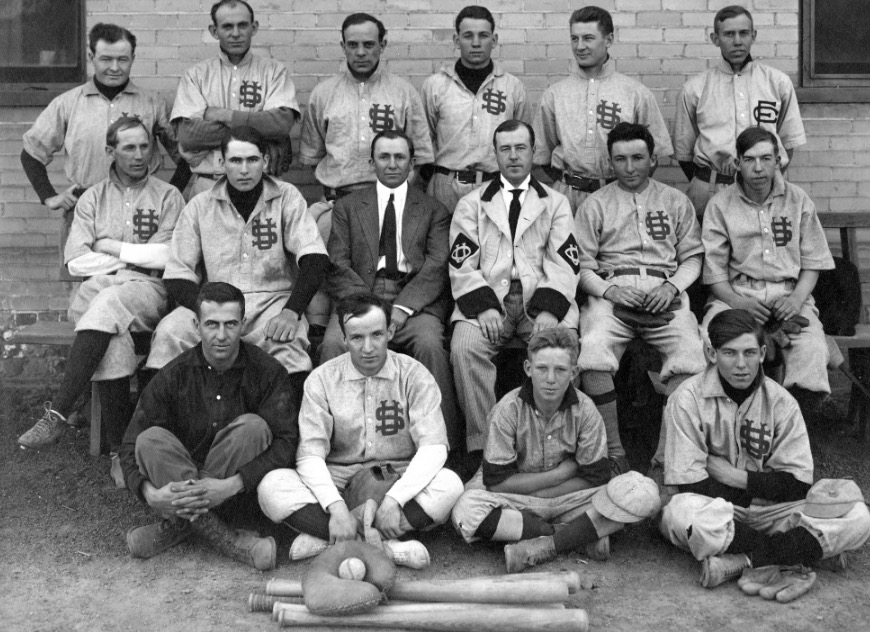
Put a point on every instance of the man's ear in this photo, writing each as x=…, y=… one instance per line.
x=195, y=322
x=710, y=353
x=653, y=161
x=212, y=29
x=527, y=367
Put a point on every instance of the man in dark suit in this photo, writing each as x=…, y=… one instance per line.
x=391, y=239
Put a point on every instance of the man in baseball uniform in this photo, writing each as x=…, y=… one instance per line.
x=235, y=88
x=346, y=110
x=391, y=240
x=120, y=242
x=577, y=113
x=513, y=271
x=464, y=103
x=206, y=430
x=715, y=106
x=738, y=451
x=254, y=232
x=76, y=122
x=640, y=248
x=764, y=247
x=370, y=412
x=544, y=481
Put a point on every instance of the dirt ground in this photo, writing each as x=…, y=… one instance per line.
x=64, y=564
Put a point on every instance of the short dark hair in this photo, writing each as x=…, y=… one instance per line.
x=733, y=323
x=732, y=11
x=630, y=131
x=360, y=304
x=121, y=124
x=219, y=292
x=751, y=136
x=361, y=18
x=110, y=33
x=247, y=135
x=555, y=338
x=512, y=125
x=475, y=12
x=593, y=14
x=392, y=134
x=230, y=3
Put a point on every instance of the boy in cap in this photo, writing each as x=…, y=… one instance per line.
x=738, y=452
x=544, y=483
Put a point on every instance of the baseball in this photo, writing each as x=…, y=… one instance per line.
x=352, y=568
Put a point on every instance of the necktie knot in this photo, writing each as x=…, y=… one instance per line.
x=516, y=193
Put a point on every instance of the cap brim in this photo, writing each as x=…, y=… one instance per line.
x=607, y=508
x=834, y=510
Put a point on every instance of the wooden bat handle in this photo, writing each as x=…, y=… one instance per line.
x=480, y=619
x=407, y=607
x=284, y=587
x=481, y=591
x=258, y=602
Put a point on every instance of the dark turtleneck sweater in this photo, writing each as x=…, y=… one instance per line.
x=312, y=267
x=473, y=78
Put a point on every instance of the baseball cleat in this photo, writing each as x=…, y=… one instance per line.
x=148, y=541
x=46, y=431
x=410, y=553
x=599, y=550
x=836, y=564
x=718, y=569
x=525, y=553
x=305, y=546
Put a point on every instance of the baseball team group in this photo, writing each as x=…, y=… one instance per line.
x=455, y=221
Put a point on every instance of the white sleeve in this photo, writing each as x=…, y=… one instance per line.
x=94, y=263
x=314, y=473
x=153, y=256
x=421, y=470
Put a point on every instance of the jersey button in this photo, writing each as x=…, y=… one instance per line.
x=218, y=397
x=245, y=255
x=504, y=281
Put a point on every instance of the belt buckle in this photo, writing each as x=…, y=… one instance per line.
x=466, y=176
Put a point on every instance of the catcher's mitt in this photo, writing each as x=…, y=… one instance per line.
x=372, y=483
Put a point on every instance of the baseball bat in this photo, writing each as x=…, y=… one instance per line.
x=481, y=591
x=479, y=619
x=284, y=587
x=407, y=607
x=258, y=602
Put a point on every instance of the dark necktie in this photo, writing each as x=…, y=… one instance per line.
x=514, y=211
x=387, y=245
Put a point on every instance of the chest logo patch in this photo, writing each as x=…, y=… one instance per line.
x=570, y=252
x=658, y=225
x=382, y=117
x=250, y=94
x=145, y=223
x=765, y=112
x=608, y=114
x=755, y=438
x=264, y=233
x=390, y=418
x=461, y=250
x=494, y=102
x=782, y=233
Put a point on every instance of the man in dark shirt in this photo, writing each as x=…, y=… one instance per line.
x=208, y=428
x=737, y=450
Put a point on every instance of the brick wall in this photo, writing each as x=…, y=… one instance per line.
x=661, y=42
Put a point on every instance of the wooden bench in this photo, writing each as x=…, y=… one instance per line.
x=857, y=346
x=62, y=334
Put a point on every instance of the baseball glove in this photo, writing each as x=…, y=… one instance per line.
x=783, y=583
x=642, y=318
x=372, y=483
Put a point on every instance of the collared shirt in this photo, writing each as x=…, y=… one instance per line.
x=77, y=121
x=577, y=113
x=344, y=115
x=399, y=194
x=521, y=440
x=255, y=84
x=507, y=194
x=143, y=213
x=655, y=228
x=715, y=106
x=766, y=433
x=347, y=417
x=251, y=255
x=771, y=241
x=462, y=123
x=195, y=402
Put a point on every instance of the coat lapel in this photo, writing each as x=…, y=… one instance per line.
x=412, y=216
x=368, y=218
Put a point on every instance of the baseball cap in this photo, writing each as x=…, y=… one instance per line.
x=832, y=498
x=629, y=497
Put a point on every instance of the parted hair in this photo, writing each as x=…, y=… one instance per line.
x=219, y=292
x=230, y=3
x=475, y=12
x=731, y=11
x=751, y=136
x=555, y=338
x=121, y=124
x=733, y=323
x=246, y=135
x=361, y=18
x=630, y=131
x=392, y=134
x=359, y=304
x=512, y=125
x=110, y=33
x=593, y=14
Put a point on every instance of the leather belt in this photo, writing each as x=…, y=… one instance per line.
x=468, y=176
x=609, y=274
x=704, y=174
x=331, y=194
x=578, y=183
